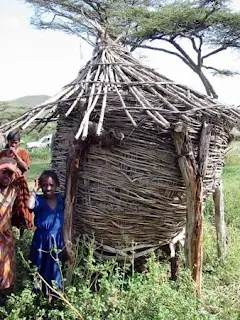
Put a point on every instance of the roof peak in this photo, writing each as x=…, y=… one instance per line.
x=113, y=69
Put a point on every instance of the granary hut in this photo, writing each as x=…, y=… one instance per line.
x=137, y=155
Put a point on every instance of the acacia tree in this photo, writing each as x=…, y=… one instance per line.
x=79, y=17
x=208, y=25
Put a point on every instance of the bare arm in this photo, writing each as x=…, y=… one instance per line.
x=32, y=198
x=21, y=164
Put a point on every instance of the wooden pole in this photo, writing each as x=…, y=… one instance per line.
x=70, y=199
x=174, y=261
x=220, y=221
x=193, y=171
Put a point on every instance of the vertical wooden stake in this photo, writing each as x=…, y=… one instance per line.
x=194, y=229
x=220, y=221
x=70, y=199
x=174, y=261
x=193, y=172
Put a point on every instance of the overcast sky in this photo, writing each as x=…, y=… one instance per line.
x=41, y=62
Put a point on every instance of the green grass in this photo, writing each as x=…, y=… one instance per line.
x=40, y=156
x=233, y=154
x=148, y=296
x=231, y=180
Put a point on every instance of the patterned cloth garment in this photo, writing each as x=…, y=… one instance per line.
x=7, y=259
x=22, y=217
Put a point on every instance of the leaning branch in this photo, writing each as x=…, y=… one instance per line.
x=222, y=71
x=224, y=47
x=166, y=51
x=184, y=53
x=194, y=44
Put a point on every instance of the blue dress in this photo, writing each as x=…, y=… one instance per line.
x=47, y=243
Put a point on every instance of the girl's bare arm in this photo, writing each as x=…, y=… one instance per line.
x=32, y=198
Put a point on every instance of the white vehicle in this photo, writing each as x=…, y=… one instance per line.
x=44, y=142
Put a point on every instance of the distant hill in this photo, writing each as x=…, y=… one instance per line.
x=12, y=109
x=28, y=101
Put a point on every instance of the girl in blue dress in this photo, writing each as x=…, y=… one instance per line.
x=47, y=243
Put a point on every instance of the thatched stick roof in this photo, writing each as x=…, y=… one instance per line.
x=113, y=69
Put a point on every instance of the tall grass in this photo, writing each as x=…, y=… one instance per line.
x=40, y=156
x=103, y=290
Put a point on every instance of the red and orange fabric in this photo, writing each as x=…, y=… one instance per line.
x=7, y=260
x=21, y=217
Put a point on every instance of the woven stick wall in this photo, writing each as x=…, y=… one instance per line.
x=129, y=185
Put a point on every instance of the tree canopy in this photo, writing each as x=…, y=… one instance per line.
x=210, y=26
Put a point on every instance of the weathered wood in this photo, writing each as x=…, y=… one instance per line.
x=220, y=224
x=70, y=196
x=174, y=247
x=193, y=173
x=203, y=149
x=196, y=235
x=174, y=262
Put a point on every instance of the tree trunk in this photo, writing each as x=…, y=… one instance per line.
x=207, y=85
x=196, y=67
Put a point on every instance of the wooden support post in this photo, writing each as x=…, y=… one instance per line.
x=193, y=171
x=70, y=198
x=220, y=221
x=174, y=261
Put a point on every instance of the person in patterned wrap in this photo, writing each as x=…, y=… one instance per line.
x=8, y=193
x=21, y=217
